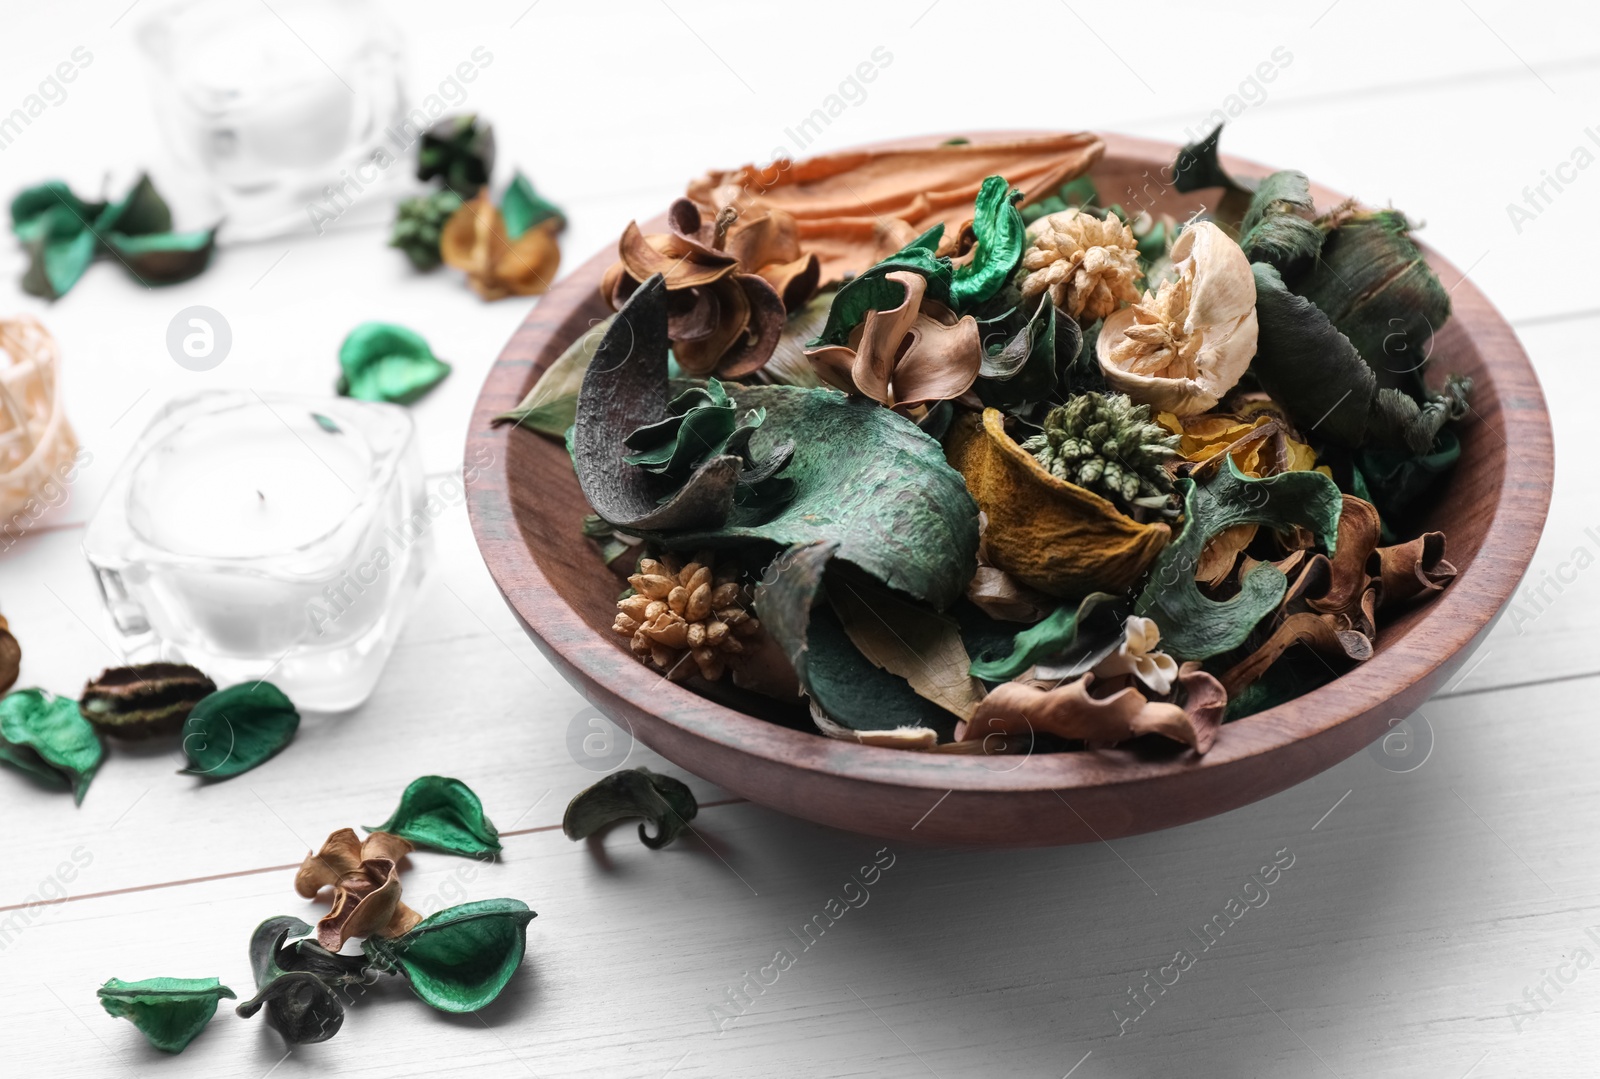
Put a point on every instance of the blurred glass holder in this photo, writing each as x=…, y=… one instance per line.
x=289, y=113
x=271, y=537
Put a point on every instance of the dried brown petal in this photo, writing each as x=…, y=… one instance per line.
x=1070, y=711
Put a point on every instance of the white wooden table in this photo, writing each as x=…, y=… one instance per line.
x=1421, y=905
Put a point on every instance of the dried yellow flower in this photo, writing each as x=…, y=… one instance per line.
x=1183, y=346
x=695, y=610
x=1089, y=264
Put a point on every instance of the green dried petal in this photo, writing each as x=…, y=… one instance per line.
x=235, y=729
x=46, y=736
x=296, y=982
x=522, y=207
x=459, y=959
x=444, y=814
x=1001, y=236
x=630, y=794
x=170, y=1012
x=380, y=361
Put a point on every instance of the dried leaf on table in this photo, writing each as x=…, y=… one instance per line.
x=236, y=729
x=631, y=794
x=523, y=208
x=380, y=361
x=45, y=736
x=1072, y=711
x=298, y=982
x=476, y=240
x=853, y=208
x=170, y=1012
x=460, y=151
x=1194, y=627
x=144, y=700
x=1049, y=534
x=442, y=814
x=460, y=959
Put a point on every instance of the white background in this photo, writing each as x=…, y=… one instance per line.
x=1420, y=904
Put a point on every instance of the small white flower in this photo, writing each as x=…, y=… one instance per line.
x=1138, y=655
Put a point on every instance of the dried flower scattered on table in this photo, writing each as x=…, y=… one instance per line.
x=418, y=225
x=497, y=262
x=681, y=611
x=1186, y=344
x=459, y=150
x=1088, y=264
x=365, y=877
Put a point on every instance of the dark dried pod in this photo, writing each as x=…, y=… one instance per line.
x=144, y=700
x=10, y=656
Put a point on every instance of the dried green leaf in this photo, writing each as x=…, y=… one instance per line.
x=296, y=982
x=141, y=212
x=163, y=258
x=862, y=475
x=460, y=151
x=44, y=735
x=666, y=802
x=1322, y=381
x=1074, y=638
x=551, y=406
x=381, y=361
x=1001, y=236
x=1198, y=166
x=459, y=959
x=235, y=729
x=418, y=224
x=1277, y=228
x=444, y=814
x=144, y=700
x=1374, y=284
x=873, y=291
x=170, y=1012
x=522, y=207
x=843, y=684
x=907, y=639
x=1194, y=627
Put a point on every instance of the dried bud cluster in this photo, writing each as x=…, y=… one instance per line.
x=680, y=610
x=1089, y=264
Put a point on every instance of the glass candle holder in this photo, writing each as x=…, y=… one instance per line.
x=277, y=105
x=265, y=536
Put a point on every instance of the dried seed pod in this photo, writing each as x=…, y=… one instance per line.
x=10, y=656
x=144, y=700
x=684, y=617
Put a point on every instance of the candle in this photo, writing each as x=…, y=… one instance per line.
x=260, y=537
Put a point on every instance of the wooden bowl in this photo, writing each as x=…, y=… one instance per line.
x=526, y=509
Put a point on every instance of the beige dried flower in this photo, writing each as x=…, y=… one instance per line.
x=688, y=610
x=1182, y=347
x=1089, y=264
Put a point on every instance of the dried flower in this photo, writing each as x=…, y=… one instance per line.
x=908, y=355
x=460, y=151
x=1107, y=444
x=497, y=264
x=365, y=876
x=731, y=279
x=418, y=224
x=1088, y=264
x=678, y=611
x=1186, y=344
x=1138, y=655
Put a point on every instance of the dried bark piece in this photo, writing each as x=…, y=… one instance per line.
x=144, y=700
x=1413, y=569
x=1071, y=711
x=854, y=208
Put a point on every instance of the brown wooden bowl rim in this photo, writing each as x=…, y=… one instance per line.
x=1455, y=619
